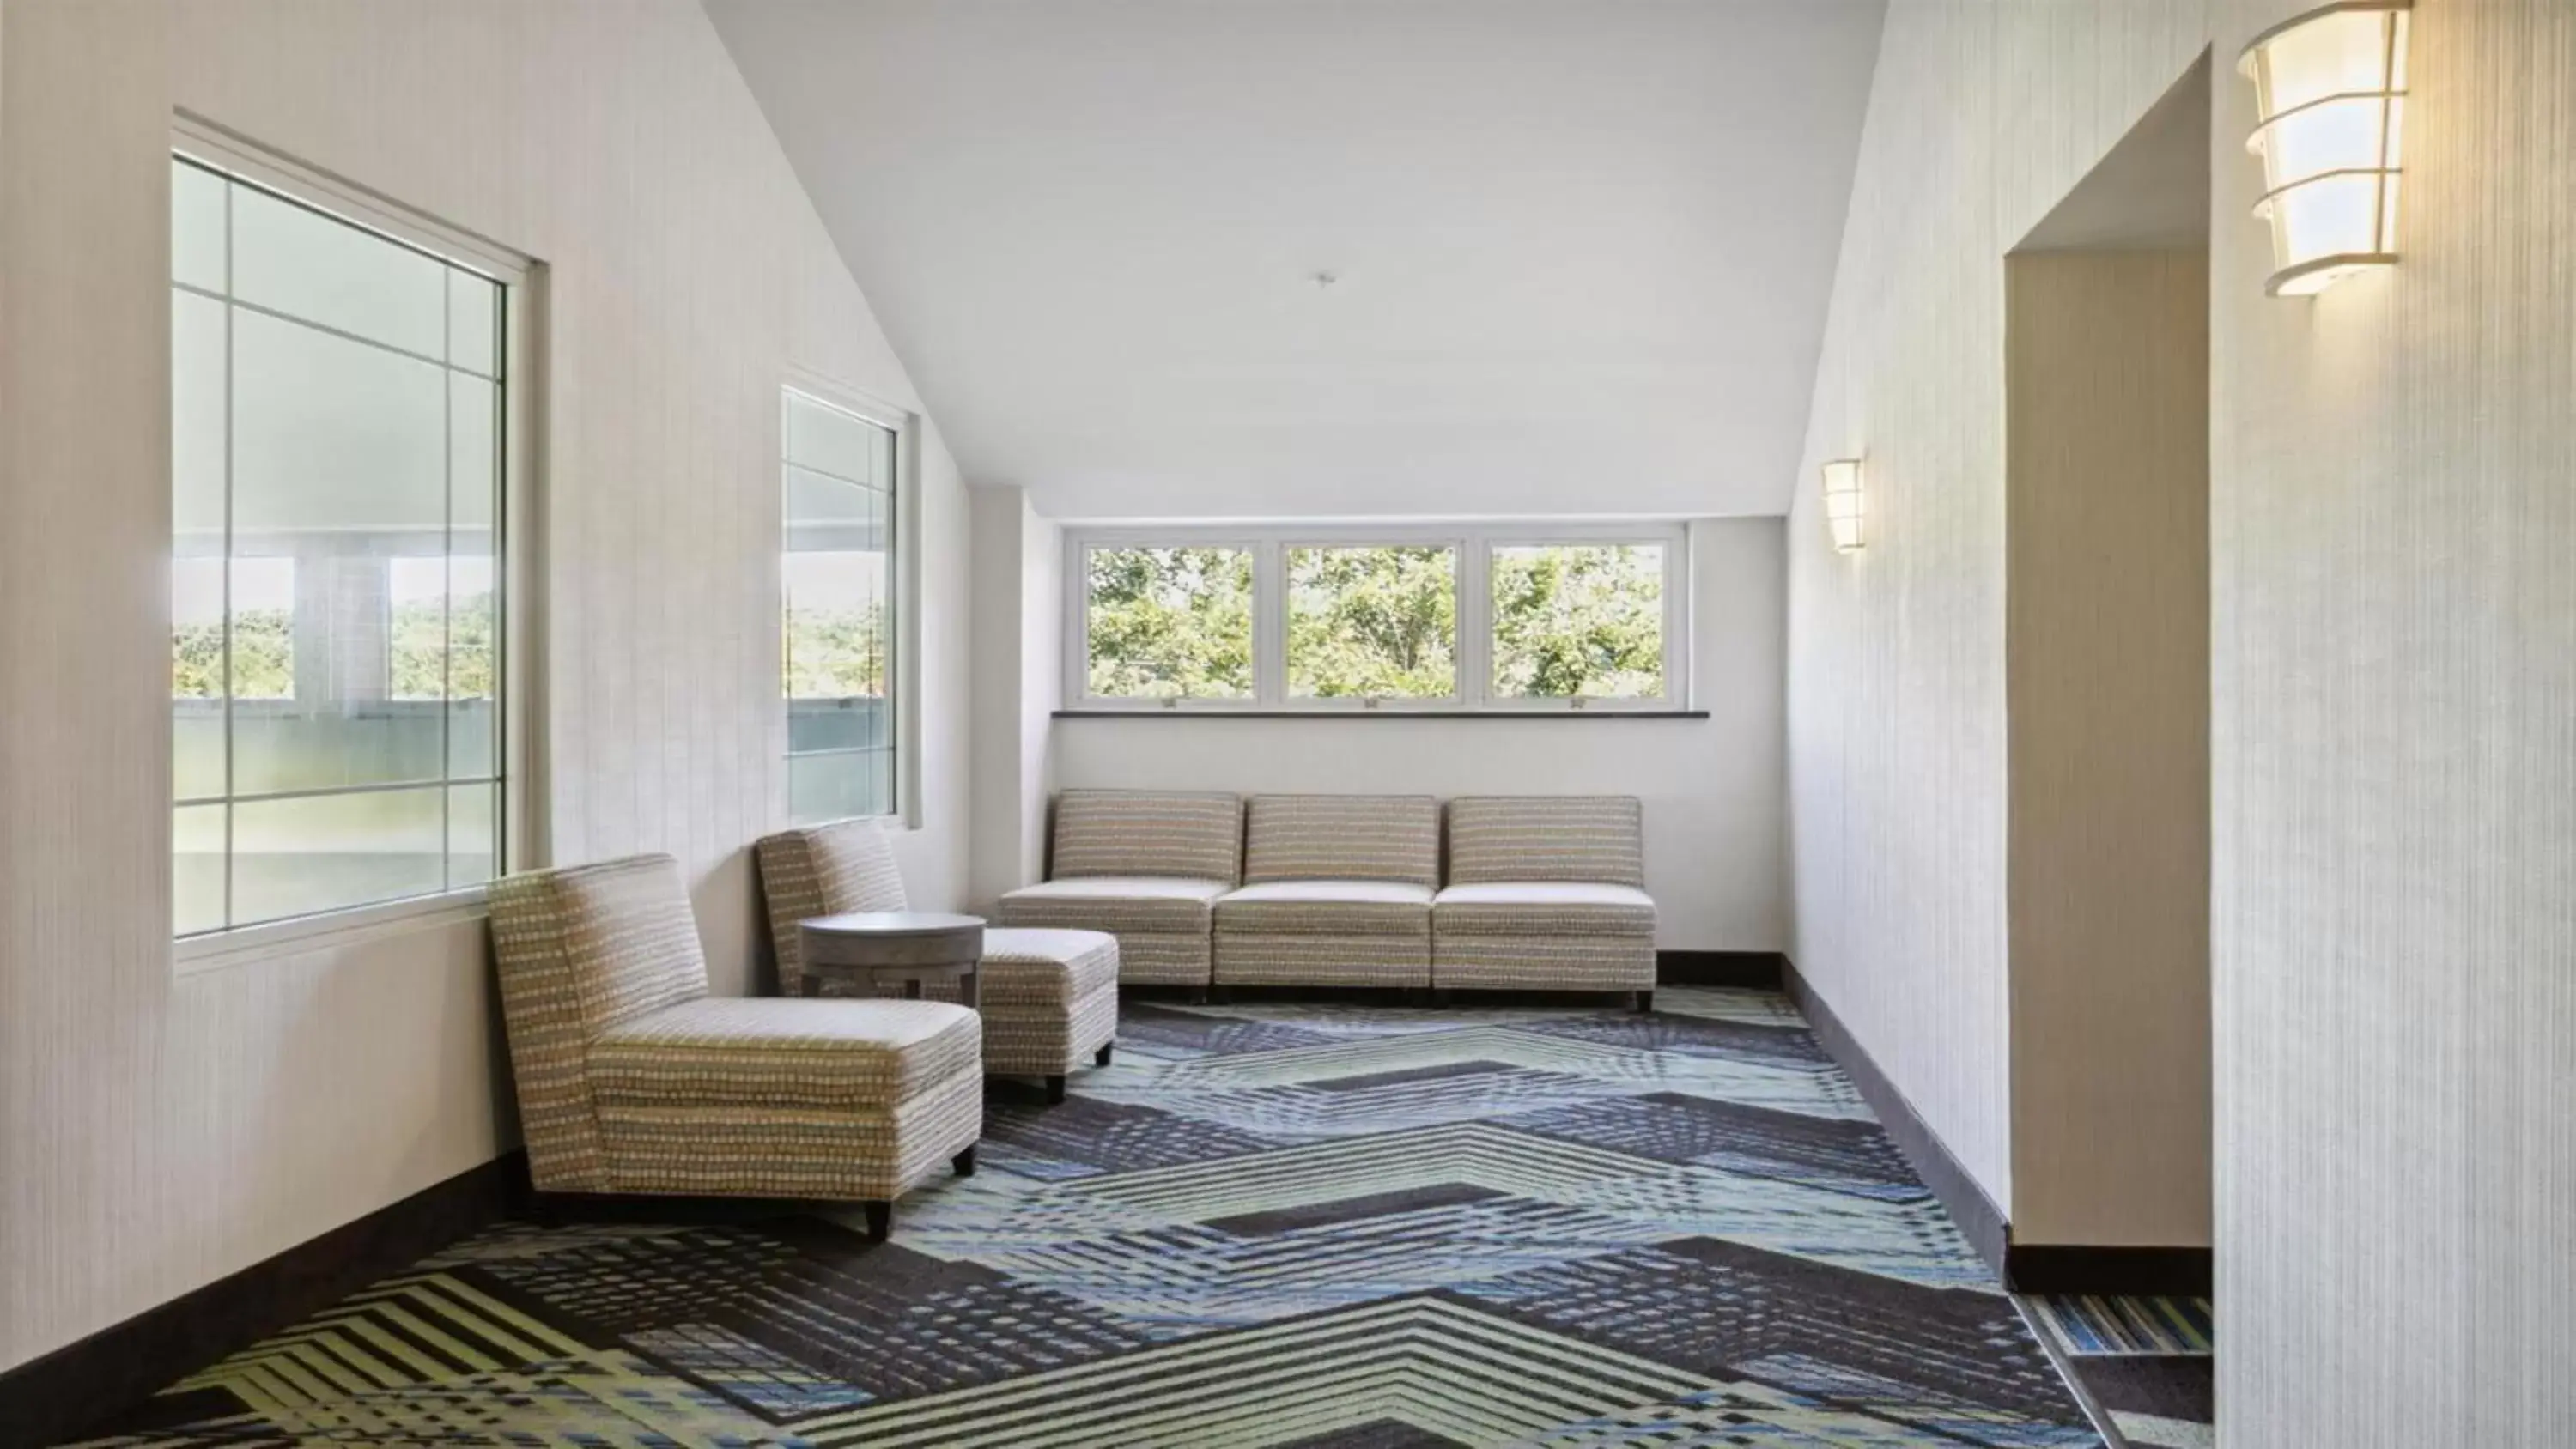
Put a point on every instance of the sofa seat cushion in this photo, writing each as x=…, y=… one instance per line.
x=840, y=1054
x=1543, y=908
x=1115, y=903
x=1327, y=907
x=1034, y=966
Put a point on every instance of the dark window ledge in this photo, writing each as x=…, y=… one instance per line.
x=1444, y=716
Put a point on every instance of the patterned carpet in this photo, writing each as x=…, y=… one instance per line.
x=1322, y=1226
x=2144, y=1362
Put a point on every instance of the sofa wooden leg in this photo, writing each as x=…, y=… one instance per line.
x=964, y=1162
x=1645, y=1001
x=1100, y=1058
x=1055, y=1090
x=880, y=1221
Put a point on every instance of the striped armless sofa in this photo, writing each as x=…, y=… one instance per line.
x=1546, y=892
x=1337, y=892
x=1146, y=866
x=633, y=1079
x=1048, y=997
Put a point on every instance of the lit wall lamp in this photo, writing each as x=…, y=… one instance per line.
x=2329, y=98
x=1842, y=503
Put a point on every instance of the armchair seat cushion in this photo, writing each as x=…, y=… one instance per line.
x=1327, y=907
x=839, y=1054
x=1115, y=903
x=1543, y=908
x=1040, y=966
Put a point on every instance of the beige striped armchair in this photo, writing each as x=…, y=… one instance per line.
x=1546, y=892
x=1337, y=892
x=1145, y=866
x=633, y=1079
x=1048, y=997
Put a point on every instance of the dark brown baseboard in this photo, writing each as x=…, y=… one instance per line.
x=1761, y=970
x=2087, y=1268
x=107, y=1374
x=2021, y=1267
x=1976, y=1214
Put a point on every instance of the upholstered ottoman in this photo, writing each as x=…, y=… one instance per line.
x=1049, y=998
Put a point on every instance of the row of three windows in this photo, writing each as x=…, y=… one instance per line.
x=1478, y=619
x=342, y=483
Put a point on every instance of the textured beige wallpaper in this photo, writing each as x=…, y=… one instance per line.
x=2395, y=526
x=158, y=1131
x=1982, y=116
x=2394, y=695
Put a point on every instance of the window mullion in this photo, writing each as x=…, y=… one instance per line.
x=1679, y=609
x=1475, y=622
x=1270, y=623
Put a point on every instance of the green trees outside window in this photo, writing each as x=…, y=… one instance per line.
x=1375, y=621
x=837, y=653
x=1170, y=623
x=1471, y=620
x=263, y=657
x=1579, y=621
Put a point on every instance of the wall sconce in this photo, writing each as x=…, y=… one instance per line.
x=2329, y=100
x=1842, y=503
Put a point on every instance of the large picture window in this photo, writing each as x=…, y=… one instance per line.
x=1483, y=618
x=338, y=470
x=839, y=601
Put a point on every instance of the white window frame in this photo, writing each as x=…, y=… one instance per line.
x=904, y=586
x=523, y=844
x=1473, y=542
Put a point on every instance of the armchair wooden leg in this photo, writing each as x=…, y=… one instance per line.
x=1100, y=1058
x=1055, y=1090
x=880, y=1221
x=1645, y=1001
x=964, y=1162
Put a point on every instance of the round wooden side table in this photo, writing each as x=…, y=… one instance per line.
x=882, y=947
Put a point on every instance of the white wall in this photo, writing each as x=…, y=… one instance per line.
x=1715, y=849
x=2394, y=670
x=1017, y=600
x=160, y=1130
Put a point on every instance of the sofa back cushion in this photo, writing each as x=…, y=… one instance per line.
x=1343, y=837
x=823, y=870
x=1597, y=838
x=1148, y=832
x=579, y=950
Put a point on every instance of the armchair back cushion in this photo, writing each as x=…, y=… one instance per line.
x=825, y=870
x=1343, y=837
x=578, y=951
x=1148, y=833
x=1598, y=839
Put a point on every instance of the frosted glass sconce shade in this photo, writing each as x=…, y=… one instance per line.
x=2329, y=101
x=1842, y=503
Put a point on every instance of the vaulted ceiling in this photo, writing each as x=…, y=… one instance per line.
x=1222, y=258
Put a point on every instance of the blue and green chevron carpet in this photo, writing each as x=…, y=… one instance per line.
x=1265, y=1225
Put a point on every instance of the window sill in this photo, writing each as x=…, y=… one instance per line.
x=1444, y=715
x=329, y=931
